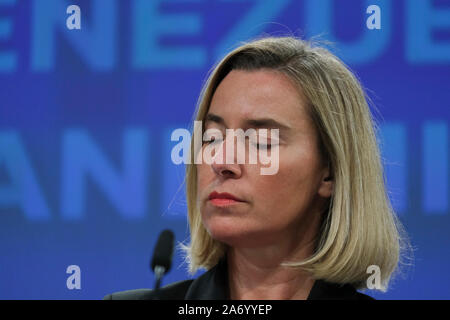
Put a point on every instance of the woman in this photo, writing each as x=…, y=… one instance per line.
x=312, y=229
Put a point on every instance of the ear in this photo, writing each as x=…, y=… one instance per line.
x=326, y=184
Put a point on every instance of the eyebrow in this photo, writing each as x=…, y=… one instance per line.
x=254, y=123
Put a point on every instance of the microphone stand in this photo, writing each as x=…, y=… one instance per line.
x=159, y=272
x=162, y=258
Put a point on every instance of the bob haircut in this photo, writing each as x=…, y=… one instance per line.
x=359, y=227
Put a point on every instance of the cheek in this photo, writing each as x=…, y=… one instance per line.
x=203, y=174
x=202, y=183
x=274, y=191
x=296, y=180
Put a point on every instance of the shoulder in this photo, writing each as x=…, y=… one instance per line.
x=323, y=290
x=174, y=291
x=362, y=296
x=211, y=285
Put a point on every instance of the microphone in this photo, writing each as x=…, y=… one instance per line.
x=162, y=256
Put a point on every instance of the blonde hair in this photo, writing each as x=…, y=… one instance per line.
x=360, y=227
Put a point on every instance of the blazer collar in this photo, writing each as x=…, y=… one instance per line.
x=213, y=285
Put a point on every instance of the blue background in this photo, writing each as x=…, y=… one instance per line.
x=86, y=115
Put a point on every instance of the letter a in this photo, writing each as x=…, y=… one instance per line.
x=74, y=281
x=73, y=21
x=374, y=20
x=373, y=282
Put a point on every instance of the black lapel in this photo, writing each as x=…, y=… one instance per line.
x=212, y=285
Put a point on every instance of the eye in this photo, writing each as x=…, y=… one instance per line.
x=263, y=146
x=211, y=140
x=212, y=136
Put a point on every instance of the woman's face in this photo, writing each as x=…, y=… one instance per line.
x=285, y=205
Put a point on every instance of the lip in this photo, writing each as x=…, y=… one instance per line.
x=223, y=197
x=224, y=202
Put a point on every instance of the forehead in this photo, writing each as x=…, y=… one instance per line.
x=258, y=94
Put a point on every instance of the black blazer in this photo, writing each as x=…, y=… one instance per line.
x=213, y=285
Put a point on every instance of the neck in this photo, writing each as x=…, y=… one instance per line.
x=257, y=273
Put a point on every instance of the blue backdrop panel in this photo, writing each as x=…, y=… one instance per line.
x=86, y=118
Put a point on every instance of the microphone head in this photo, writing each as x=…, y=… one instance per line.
x=162, y=256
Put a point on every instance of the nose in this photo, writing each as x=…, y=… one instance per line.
x=225, y=165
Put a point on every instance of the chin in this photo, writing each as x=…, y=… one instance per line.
x=237, y=237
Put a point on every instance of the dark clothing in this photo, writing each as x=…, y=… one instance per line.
x=213, y=285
